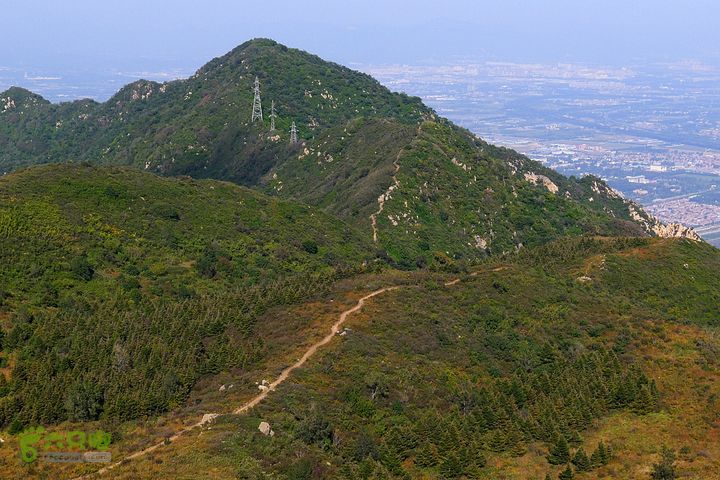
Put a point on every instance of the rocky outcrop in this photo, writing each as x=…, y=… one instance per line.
x=543, y=180
x=655, y=226
x=675, y=230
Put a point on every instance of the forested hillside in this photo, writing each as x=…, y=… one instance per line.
x=526, y=368
x=119, y=289
x=425, y=190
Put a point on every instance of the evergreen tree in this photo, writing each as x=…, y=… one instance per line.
x=391, y=460
x=427, y=455
x=548, y=477
x=665, y=468
x=566, y=474
x=644, y=401
x=514, y=439
x=606, y=454
x=402, y=440
x=581, y=460
x=451, y=466
x=559, y=453
x=595, y=460
x=479, y=459
x=498, y=441
x=601, y=455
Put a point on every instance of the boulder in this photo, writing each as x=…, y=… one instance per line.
x=265, y=429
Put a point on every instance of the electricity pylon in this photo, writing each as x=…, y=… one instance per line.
x=257, y=105
x=293, y=134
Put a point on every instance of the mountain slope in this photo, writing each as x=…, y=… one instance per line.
x=445, y=193
x=201, y=125
x=454, y=197
x=591, y=340
x=120, y=289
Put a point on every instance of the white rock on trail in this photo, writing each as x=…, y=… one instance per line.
x=208, y=417
x=265, y=429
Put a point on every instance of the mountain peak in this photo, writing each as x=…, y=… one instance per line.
x=15, y=97
x=422, y=188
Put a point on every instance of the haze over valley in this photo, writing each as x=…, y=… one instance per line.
x=651, y=131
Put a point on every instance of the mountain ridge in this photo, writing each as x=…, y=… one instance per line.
x=353, y=133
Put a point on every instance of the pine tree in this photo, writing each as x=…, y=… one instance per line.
x=665, y=468
x=515, y=441
x=581, y=460
x=498, y=441
x=479, y=459
x=451, y=466
x=644, y=402
x=601, y=455
x=605, y=453
x=391, y=460
x=574, y=438
x=566, y=474
x=548, y=477
x=559, y=453
x=595, y=460
x=427, y=455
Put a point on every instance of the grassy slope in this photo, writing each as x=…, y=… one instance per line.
x=164, y=278
x=121, y=219
x=436, y=346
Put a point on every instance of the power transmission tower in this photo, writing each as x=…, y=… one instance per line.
x=272, y=116
x=257, y=105
x=293, y=134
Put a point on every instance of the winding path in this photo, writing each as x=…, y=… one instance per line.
x=207, y=418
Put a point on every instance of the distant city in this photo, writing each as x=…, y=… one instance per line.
x=651, y=131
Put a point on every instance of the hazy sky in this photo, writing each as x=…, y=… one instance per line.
x=184, y=34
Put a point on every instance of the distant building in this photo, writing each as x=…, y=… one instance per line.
x=638, y=179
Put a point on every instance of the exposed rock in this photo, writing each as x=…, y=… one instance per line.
x=460, y=164
x=265, y=429
x=9, y=104
x=222, y=388
x=675, y=230
x=541, y=179
x=208, y=418
x=655, y=226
